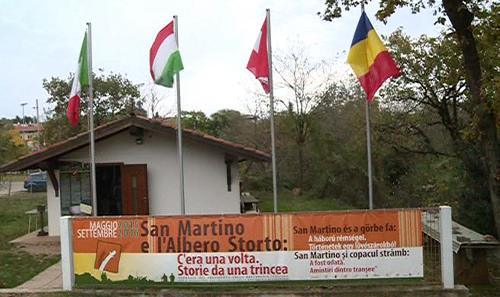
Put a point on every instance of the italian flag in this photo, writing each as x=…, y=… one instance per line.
x=80, y=80
x=164, y=57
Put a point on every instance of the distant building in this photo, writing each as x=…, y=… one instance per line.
x=29, y=133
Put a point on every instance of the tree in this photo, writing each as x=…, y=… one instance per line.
x=11, y=143
x=115, y=96
x=25, y=120
x=338, y=145
x=427, y=114
x=302, y=80
x=432, y=92
x=197, y=120
x=152, y=100
x=465, y=16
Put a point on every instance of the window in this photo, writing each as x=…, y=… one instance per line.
x=74, y=188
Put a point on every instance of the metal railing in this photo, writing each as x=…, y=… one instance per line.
x=431, y=247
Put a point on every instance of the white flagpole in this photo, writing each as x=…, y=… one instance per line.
x=179, y=128
x=271, y=97
x=91, y=121
x=368, y=145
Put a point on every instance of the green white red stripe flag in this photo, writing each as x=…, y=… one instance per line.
x=80, y=80
x=164, y=57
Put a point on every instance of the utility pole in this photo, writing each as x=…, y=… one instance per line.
x=38, y=125
x=22, y=105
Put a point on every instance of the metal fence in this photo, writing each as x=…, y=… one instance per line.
x=431, y=247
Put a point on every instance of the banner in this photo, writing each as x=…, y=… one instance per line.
x=265, y=247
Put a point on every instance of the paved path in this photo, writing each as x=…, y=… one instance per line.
x=15, y=187
x=49, y=280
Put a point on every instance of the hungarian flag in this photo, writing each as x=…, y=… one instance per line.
x=164, y=57
x=369, y=59
x=258, y=63
x=80, y=80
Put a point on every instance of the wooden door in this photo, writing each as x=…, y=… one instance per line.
x=135, y=189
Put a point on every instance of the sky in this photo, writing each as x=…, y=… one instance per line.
x=42, y=39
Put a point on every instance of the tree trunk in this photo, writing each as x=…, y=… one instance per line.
x=301, y=164
x=461, y=19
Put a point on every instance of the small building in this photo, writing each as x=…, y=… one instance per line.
x=475, y=256
x=249, y=203
x=137, y=171
x=30, y=134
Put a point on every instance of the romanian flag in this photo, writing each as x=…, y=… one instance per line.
x=369, y=59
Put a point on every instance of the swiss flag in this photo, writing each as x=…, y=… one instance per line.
x=258, y=63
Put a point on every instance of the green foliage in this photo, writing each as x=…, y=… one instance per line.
x=10, y=147
x=429, y=112
x=197, y=120
x=305, y=202
x=115, y=96
x=220, y=124
x=488, y=43
x=334, y=8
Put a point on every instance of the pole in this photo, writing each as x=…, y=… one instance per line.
x=91, y=122
x=22, y=105
x=179, y=128
x=38, y=125
x=271, y=97
x=368, y=145
x=369, y=152
x=446, y=244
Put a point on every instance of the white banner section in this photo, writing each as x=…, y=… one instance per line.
x=269, y=266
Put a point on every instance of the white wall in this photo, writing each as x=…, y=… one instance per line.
x=53, y=207
x=204, y=173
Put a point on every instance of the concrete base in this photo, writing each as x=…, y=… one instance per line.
x=33, y=244
x=254, y=291
x=341, y=291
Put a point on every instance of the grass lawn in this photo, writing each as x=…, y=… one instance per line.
x=13, y=177
x=484, y=290
x=288, y=202
x=17, y=266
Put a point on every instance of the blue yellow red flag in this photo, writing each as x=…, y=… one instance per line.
x=369, y=59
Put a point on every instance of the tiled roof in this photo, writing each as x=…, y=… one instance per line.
x=28, y=127
x=40, y=158
x=461, y=236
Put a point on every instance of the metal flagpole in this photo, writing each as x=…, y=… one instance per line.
x=368, y=145
x=179, y=127
x=91, y=121
x=369, y=151
x=271, y=97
